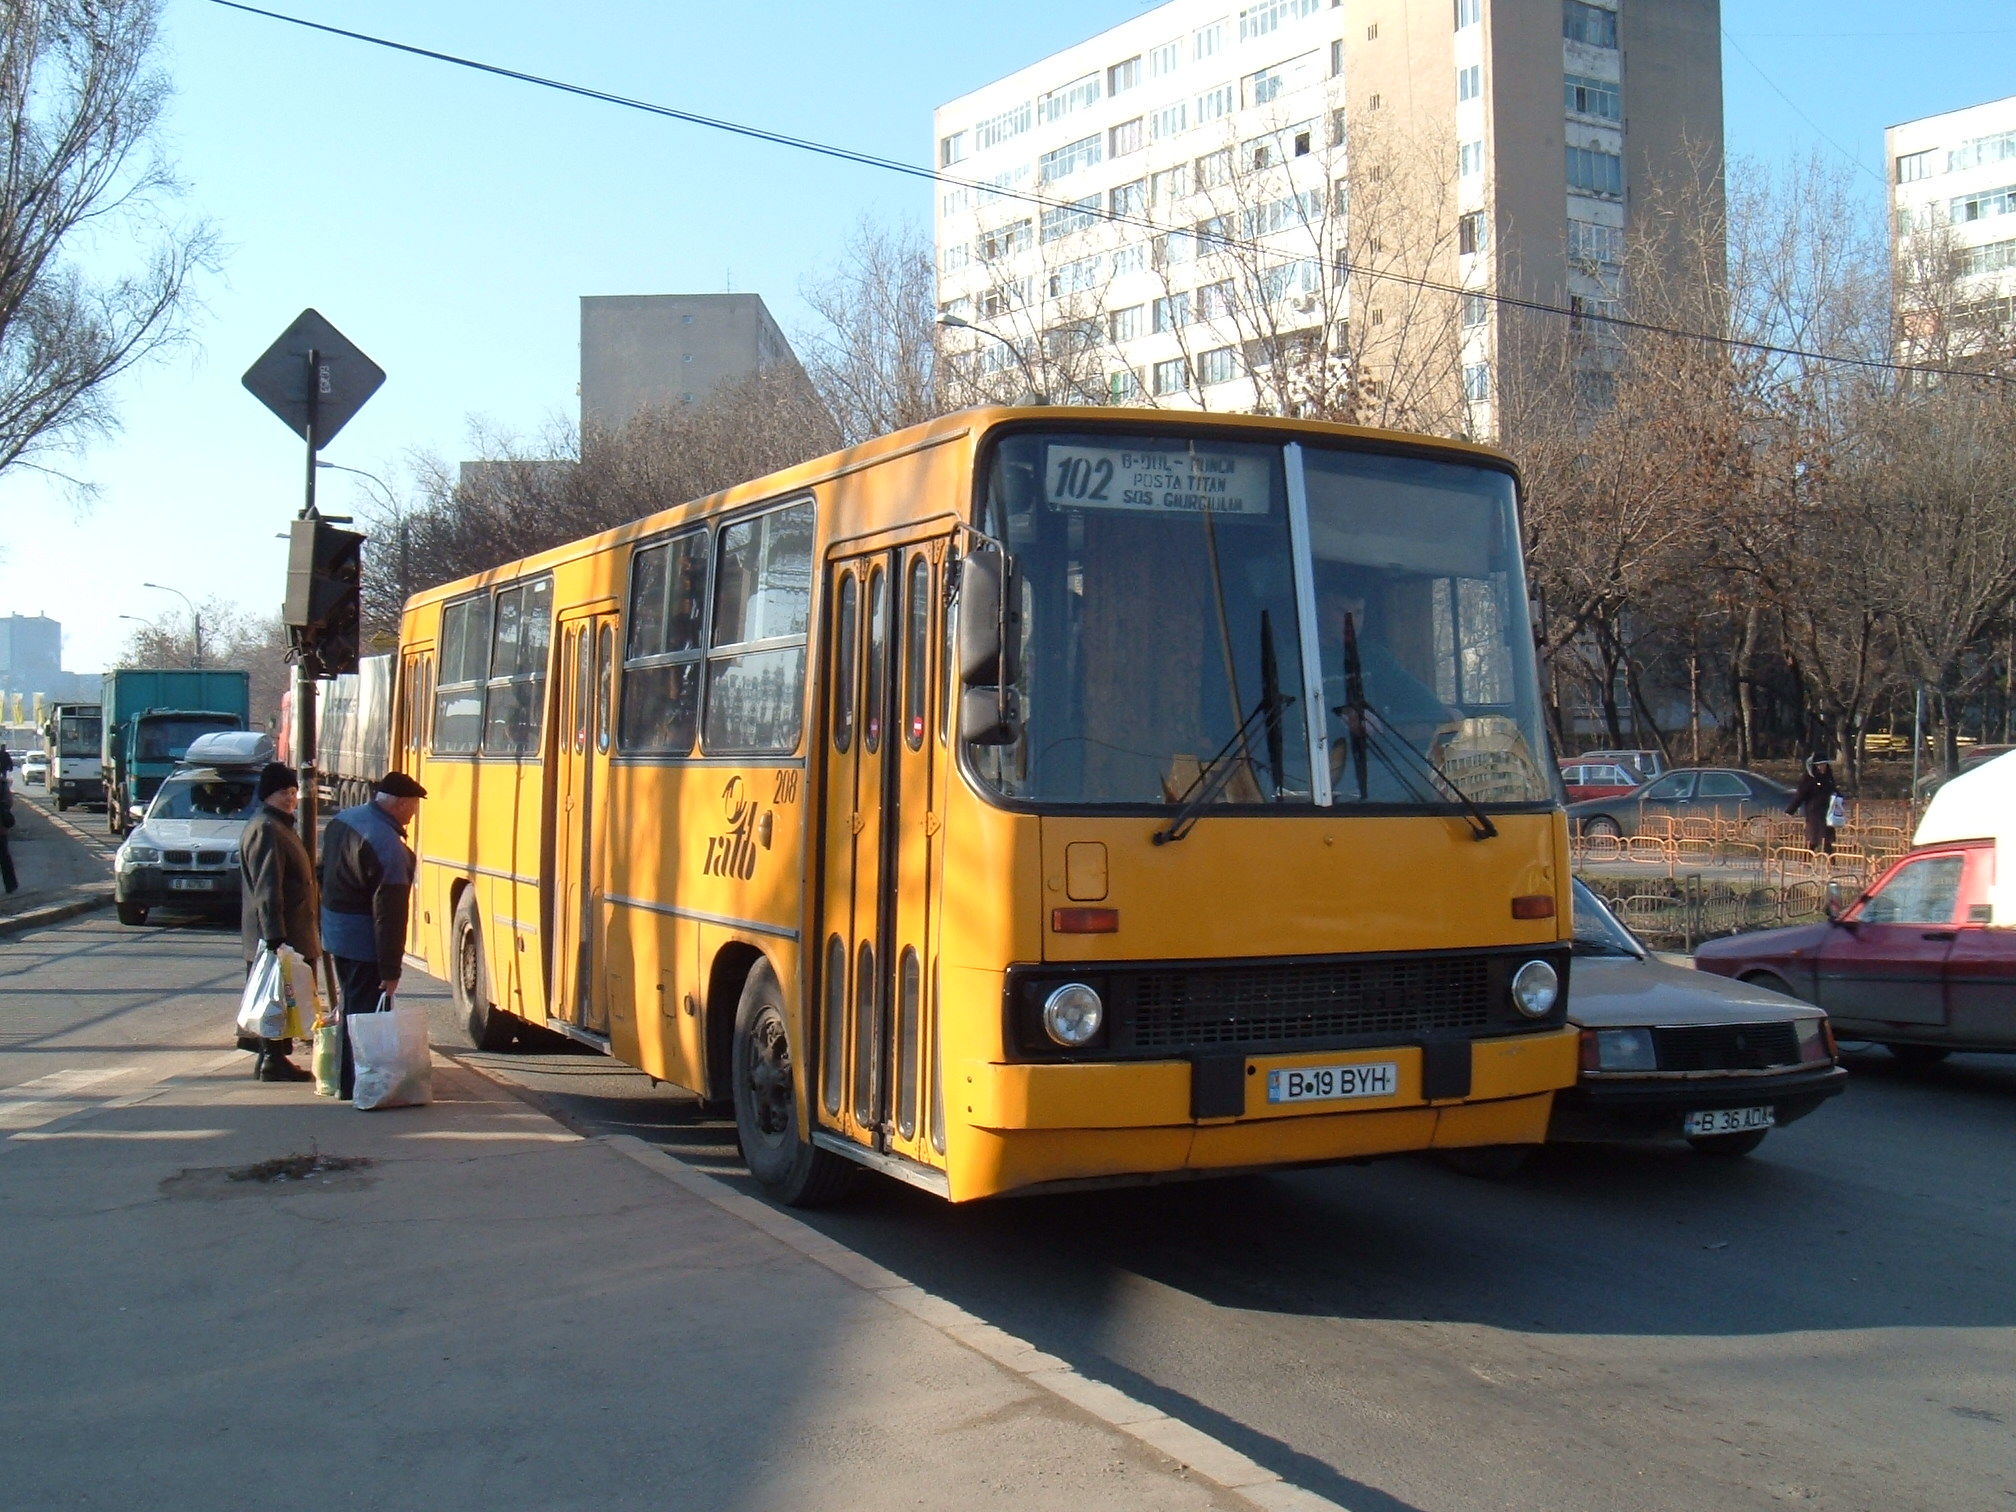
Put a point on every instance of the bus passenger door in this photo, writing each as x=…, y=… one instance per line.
x=581, y=749
x=409, y=749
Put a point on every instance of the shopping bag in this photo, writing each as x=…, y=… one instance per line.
x=1837, y=811
x=328, y=1060
x=304, y=1000
x=393, y=1066
x=262, y=1012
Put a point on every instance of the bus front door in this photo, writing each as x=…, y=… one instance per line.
x=581, y=751
x=409, y=749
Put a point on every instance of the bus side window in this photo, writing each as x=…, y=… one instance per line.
x=846, y=626
x=878, y=659
x=916, y=651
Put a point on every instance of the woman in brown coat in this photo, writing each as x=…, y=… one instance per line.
x=278, y=889
x=1811, y=801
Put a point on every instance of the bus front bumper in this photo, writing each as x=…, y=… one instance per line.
x=1046, y=1124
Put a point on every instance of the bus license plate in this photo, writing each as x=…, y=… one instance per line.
x=1728, y=1120
x=191, y=884
x=1327, y=1083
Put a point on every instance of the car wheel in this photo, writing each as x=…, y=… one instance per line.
x=132, y=913
x=1918, y=1057
x=62, y=805
x=1489, y=1162
x=486, y=1026
x=774, y=1147
x=1603, y=824
x=1728, y=1146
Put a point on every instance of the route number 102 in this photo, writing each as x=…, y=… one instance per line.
x=1082, y=478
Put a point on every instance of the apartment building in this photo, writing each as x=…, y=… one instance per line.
x=1204, y=199
x=1953, y=191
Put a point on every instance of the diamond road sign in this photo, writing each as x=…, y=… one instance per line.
x=314, y=377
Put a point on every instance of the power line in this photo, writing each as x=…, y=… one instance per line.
x=1025, y=196
x=1772, y=84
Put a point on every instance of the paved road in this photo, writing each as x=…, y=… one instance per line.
x=1829, y=1325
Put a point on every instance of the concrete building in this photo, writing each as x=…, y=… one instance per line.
x=31, y=660
x=1492, y=145
x=639, y=350
x=1953, y=188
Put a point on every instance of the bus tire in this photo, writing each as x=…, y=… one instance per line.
x=774, y=1147
x=486, y=1026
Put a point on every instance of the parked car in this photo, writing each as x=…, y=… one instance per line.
x=184, y=853
x=1724, y=792
x=1924, y=961
x=35, y=770
x=1976, y=756
x=1597, y=779
x=1647, y=764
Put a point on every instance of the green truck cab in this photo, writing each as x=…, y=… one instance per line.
x=150, y=717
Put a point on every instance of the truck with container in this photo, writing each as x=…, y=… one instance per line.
x=353, y=732
x=73, y=741
x=150, y=716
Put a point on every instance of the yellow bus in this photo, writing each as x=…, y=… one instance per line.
x=1030, y=799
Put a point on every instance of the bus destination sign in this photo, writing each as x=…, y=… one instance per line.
x=1157, y=480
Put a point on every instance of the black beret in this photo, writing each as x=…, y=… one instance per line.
x=398, y=785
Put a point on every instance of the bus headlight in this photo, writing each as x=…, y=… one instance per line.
x=1535, y=987
x=1072, y=1015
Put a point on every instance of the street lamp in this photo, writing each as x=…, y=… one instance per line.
x=195, y=621
x=954, y=322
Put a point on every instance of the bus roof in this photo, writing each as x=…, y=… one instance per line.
x=945, y=428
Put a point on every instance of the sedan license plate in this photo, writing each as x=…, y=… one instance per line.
x=1728, y=1120
x=1328, y=1083
x=191, y=884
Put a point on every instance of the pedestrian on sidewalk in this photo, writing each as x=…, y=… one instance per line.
x=1812, y=800
x=7, y=837
x=367, y=884
x=278, y=891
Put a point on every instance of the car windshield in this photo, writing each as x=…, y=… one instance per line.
x=1157, y=585
x=1597, y=930
x=205, y=798
x=168, y=739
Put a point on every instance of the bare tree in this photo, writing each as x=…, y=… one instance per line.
x=80, y=109
x=875, y=356
x=233, y=640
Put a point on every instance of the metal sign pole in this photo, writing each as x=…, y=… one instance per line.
x=304, y=684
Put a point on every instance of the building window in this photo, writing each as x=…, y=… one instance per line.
x=1059, y=103
x=1214, y=104
x=1993, y=258
x=1372, y=32
x=1998, y=148
x=1375, y=101
x=998, y=129
x=1123, y=386
x=1470, y=233
x=1214, y=168
x=1590, y=319
x=1003, y=241
x=1170, y=185
x=1476, y=310
x=1259, y=20
x=1983, y=206
x=1285, y=214
x=1470, y=82
x=1131, y=199
x=1122, y=77
x=1590, y=24
x=1132, y=259
x=1171, y=377
x=952, y=149
x=1175, y=248
x=1172, y=312
x=1064, y=161
x=1338, y=128
x=1593, y=97
x=1126, y=325
x=1594, y=245
x=1337, y=58
x=1476, y=380
x=1219, y=365
x=1289, y=278
x=1913, y=166
x=1207, y=41
x=1470, y=159
x=1215, y=301
x=1126, y=137
x=1169, y=121
x=1063, y=220
x=1165, y=59
x=1076, y=277
x=1594, y=171
x=1211, y=230
x=955, y=258
x=1468, y=13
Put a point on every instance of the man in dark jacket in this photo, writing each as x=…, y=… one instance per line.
x=367, y=883
x=278, y=891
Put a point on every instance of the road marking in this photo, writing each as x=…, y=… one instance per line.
x=46, y=1098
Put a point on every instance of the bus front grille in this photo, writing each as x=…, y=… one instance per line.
x=1260, y=1005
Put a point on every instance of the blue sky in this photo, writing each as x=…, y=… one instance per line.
x=447, y=221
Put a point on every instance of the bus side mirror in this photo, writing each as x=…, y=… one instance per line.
x=987, y=622
x=990, y=716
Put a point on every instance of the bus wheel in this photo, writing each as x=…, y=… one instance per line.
x=487, y=1028
x=775, y=1149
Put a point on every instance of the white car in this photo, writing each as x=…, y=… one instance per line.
x=35, y=770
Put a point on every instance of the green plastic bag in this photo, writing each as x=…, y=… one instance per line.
x=328, y=1059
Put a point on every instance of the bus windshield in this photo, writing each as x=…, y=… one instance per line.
x=77, y=735
x=1162, y=624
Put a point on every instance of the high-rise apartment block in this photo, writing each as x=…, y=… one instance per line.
x=1184, y=207
x=1953, y=182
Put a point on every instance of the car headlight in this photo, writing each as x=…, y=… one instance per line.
x=1072, y=1015
x=1626, y=1050
x=231, y=856
x=139, y=855
x=1536, y=987
x=1816, y=1041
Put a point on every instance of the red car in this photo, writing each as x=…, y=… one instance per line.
x=1915, y=964
x=1596, y=779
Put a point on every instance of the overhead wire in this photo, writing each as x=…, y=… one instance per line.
x=1221, y=239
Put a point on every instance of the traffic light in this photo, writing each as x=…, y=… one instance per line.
x=325, y=571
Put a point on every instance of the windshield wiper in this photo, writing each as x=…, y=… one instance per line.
x=1359, y=716
x=1215, y=773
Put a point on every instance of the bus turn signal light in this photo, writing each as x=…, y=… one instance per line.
x=1085, y=920
x=1533, y=906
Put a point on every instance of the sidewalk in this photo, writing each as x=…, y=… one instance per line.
x=492, y=1313
x=54, y=866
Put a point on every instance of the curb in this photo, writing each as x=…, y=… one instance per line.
x=95, y=842
x=54, y=913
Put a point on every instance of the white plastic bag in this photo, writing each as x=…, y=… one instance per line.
x=1837, y=811
x=394, y=1067
x=262, y=1012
